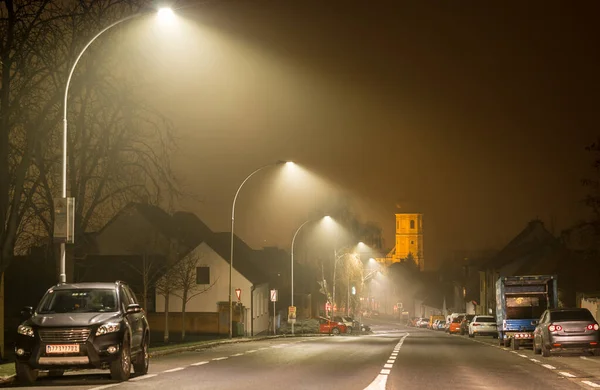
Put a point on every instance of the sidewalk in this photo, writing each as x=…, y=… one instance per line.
x=7, y=371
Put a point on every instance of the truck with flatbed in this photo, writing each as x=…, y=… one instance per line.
x=520, y=301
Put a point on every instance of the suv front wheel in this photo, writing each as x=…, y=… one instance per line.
x=25, y=374
x=120, y=369
x=142, y=360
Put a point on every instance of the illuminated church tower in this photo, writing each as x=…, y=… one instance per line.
x=409, y=239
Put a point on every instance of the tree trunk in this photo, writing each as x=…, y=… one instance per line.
x=166, y=335
x=183, y=305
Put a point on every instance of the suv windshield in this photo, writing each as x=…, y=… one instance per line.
x=79, y=301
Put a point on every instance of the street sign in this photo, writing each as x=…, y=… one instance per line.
x=292, y=314
x=238, y=293
x=273, y=295
x=64, y=220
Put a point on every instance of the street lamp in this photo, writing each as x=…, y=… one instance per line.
x=292, y=258
x=162, y=12
x=232, y=226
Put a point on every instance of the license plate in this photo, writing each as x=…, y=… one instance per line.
x=62, y=348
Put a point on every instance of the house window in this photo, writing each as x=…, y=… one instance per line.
x=397, y=225
x=202, y=275
x=412, y=242
x=412, y=223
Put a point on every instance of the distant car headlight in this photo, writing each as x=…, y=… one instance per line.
x=109, y=327
x=25, y=330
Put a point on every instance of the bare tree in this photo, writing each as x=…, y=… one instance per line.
x=165, y=286
x=186, y=283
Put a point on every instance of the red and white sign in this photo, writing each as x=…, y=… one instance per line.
x=238, y=293
x=273, y=295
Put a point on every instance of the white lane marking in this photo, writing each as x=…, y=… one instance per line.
x=548, y=366
x=105, y=386
x=251, y=351
x=535, y=360
x=141, y=378
x=590, y=360
x=520, y=354
x=260, y=349
x=380, y=380
x=199, y=363
x=591, y=384
x=238, y=354
x=513, y=351
x=175, y=369
x=567, y=374
x=221, y=358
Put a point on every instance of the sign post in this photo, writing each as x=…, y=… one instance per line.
x=274, y=299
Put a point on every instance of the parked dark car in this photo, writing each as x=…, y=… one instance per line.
x=81, y=326
x=562, y=329
x=464, y=325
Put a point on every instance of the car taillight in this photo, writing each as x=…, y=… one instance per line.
x=475, y=324
x=592, y=327
x=553, y=328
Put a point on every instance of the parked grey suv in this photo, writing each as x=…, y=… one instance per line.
x=85, y=325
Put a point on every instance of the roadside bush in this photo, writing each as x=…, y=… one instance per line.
x=309, y=326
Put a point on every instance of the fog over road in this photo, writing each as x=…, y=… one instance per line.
x=392, y=357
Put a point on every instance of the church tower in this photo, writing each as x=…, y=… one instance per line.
x=409, y=238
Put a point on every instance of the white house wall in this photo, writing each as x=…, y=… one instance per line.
x=219, y=278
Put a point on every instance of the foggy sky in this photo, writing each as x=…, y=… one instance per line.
x=475, y=114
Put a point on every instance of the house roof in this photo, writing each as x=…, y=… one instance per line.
x=244, y=260
x=531, y=239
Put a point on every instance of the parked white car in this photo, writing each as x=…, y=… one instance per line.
x=483, y=326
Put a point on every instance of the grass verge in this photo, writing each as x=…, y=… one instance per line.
x=7, y=369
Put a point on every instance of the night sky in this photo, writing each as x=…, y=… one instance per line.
x=476, y=114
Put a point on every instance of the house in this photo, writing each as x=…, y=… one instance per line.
x=534, y=251
x=207, y=310
x=141, y=242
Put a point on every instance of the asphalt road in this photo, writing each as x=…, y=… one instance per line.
x=393, y=357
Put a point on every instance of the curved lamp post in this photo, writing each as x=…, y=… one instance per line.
x=163, y=12
x=232, y=235
x=292, y=259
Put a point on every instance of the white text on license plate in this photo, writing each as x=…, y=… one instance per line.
x=62, y=348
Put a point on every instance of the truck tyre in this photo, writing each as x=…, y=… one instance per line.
x=516, y=344
x=25, y=374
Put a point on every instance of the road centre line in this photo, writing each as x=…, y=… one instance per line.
x=380, y=381
x=251, y=351
x=175, y=369
x=199, y=363
x=221, y=358
x=141, y=378
x=535, y=360
x=548, y=366
x=591, y=384
x=520, y=354
x=238, y=354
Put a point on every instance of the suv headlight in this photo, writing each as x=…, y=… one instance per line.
x=25, y=330
x=110, y=327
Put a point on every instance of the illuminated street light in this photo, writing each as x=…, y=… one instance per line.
x=327, y=217
x=163, y=12
x=166, y=15
x=232, y=226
